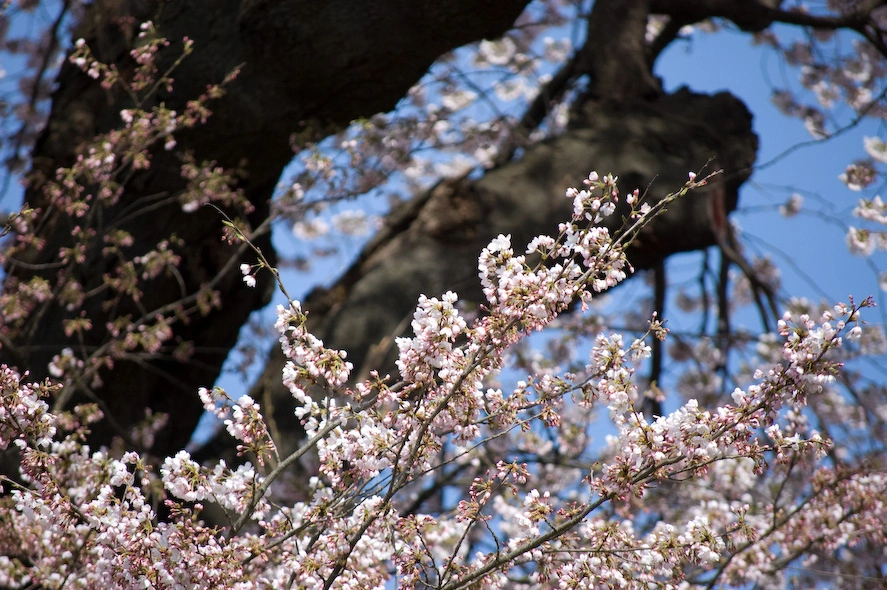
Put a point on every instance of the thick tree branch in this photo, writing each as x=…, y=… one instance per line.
x=756, y=15
x=614, y=56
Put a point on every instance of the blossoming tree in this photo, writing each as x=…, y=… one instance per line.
x=401, y=433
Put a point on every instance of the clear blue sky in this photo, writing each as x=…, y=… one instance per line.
x=727, y=61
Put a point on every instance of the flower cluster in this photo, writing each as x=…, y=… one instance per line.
x=461, y=470
x=77, y=200
x=380, y=445
x=25, y=419
x=309, y=362
x=242, y=420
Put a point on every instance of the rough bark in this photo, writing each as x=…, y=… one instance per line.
x=431, y=245
x=307, y=67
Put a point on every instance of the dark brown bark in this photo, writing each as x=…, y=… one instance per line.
x=432, y=244
x=614, y=56
x=308, y=67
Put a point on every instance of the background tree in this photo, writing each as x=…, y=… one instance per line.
x=118, y=281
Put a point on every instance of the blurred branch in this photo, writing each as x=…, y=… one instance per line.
x=756, y=15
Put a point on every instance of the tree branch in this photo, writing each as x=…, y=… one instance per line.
x=756, y=15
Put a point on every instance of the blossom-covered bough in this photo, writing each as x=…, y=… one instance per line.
x=732, y=495
x=480, y=462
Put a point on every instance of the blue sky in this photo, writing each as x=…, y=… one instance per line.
x=727, y=61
